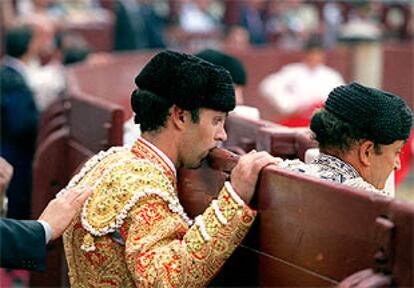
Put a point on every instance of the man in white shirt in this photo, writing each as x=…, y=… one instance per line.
x=300, y=86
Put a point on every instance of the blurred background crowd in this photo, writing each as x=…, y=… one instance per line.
x=109, y=25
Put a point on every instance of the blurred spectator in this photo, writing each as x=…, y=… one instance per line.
x=85, y=16
x=289, y=23
x=43, y=38
x=36, y=14
x=63, y=12
x=332, y=20
x=73, y=48
x=394, y=18
x=363, y=23
x=19, y=117
x=44, y=81
x=43, y=32
x=138, y=26
x=274, y=21
x=301, y=86
x=48, y=81
x=236, y=38
x=300, y=20
x=198, y=17
x=251, y=19
x=27, y=8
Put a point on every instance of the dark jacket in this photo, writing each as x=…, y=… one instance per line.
x=19, y=124
x=23, y=244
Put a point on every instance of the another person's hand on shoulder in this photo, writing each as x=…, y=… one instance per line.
x=60, y=211
x=245, y=174
x=6, y=173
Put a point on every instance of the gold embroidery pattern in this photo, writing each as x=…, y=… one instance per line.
x=117, y=191
x=142, y=151
x=118, y=188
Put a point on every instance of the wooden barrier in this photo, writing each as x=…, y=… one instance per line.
x=98, y=35
x=399, y=254
x=50, y=174
x=309, y=232
x=52, y=119
x=307, y=235
x=242, y=132
x=112, y=80
x=285, y=142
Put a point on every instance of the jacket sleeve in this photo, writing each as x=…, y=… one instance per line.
x=23, y=244
x=162, y=252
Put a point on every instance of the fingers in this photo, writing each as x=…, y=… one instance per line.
x=377, y=280
x=6, y=170
x=365, y=278
x=6, y=173
x=253, y=156
x=76, y=196
x=70, y=195
x=277, y=160
x=250, y=165
x=263, y=161
x=360, y=276
x=83, y=196
x=245, y=174
x=257, y=160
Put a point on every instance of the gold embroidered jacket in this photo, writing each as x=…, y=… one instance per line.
x=133, y=231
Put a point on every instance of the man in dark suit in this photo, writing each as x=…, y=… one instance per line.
x=23, y=242
x=19, y=117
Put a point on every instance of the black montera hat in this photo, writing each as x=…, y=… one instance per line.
x=187, y=81
x=383, y=116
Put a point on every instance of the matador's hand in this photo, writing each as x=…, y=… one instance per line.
x=245, y=174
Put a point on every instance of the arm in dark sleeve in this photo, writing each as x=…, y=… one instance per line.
x=23, y=244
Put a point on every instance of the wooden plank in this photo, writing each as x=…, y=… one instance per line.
x=320, y=226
